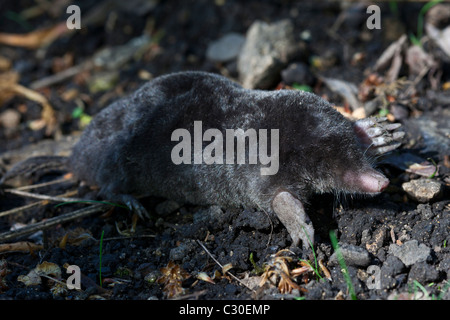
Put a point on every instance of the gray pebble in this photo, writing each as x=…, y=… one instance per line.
x=423, y=190
x=391, y=267
x=425, y=211
x=299, y=73
x=182, y=251
x=353, y=256
x=226, y=48
x=410, y=252
x=267, y=50
x=423, y=273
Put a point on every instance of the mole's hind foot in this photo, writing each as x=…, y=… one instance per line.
x=377, y=135
x=133, y=204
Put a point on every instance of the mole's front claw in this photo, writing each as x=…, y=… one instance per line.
x=134, y=205
x=377, y=135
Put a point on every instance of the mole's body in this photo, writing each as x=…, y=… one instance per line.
x=127, y=149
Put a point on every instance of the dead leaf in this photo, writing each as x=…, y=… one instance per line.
x=227, y=268
x=396, y=65
x=46, y=269
x=204, y=277
x=172, y=277
x=77, y=236
x=63, y=242
x=345, y=89
x=386, y=57
x=70, y=94
x=7, y=81
x=437, y=27
x=5, y=64
x=37, y=38
x=325, y=270
x=277, y=270
x=418, y=60
x=47, y=114
x=59, y=289
x=31, y=279
x=366, y=90
x=9, y=87
x=23, y=246
x=340, y=296
x=424, y=169
x=49, y=269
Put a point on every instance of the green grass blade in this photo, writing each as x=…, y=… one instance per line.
x=341, y=261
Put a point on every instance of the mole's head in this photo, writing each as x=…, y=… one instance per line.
x=324, y=153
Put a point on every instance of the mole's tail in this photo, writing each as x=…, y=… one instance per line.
x=39, y=164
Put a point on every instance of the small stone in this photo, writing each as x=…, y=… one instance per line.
x=423, y=190
x=353, y=256
x=9, y=119
x=365, y=236
x=423, y=273
x=399, y=112
x=266, y=51
x=181, y=252
x=410, y=252
x=444, y=264
x=226, y=48
x=377, y=240
x=297, y=72
x=425, y=211
x=391, y=267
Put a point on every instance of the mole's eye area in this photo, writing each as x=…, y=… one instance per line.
x=366, y=181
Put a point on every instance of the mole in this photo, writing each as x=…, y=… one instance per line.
x=199, y=138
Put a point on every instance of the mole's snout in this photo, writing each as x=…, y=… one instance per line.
x=373, y=181
x=369, y=181
x=384, y=183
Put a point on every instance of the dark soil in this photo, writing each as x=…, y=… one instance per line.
x=134, y=253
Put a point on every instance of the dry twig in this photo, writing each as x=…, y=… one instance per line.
x=53, y=221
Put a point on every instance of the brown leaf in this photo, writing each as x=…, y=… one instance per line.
x=37, y=38
x=5, y=64
x=172, y=277
x=9, y=87
x=7, y=81
x=325, y=270
x=31, y=279
x=204, y=277
x=45, y=269
x=24, y=246
x=63, y=242
x=387, y=56
x=418, y=60
x=49, y=269
x=425, y=169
